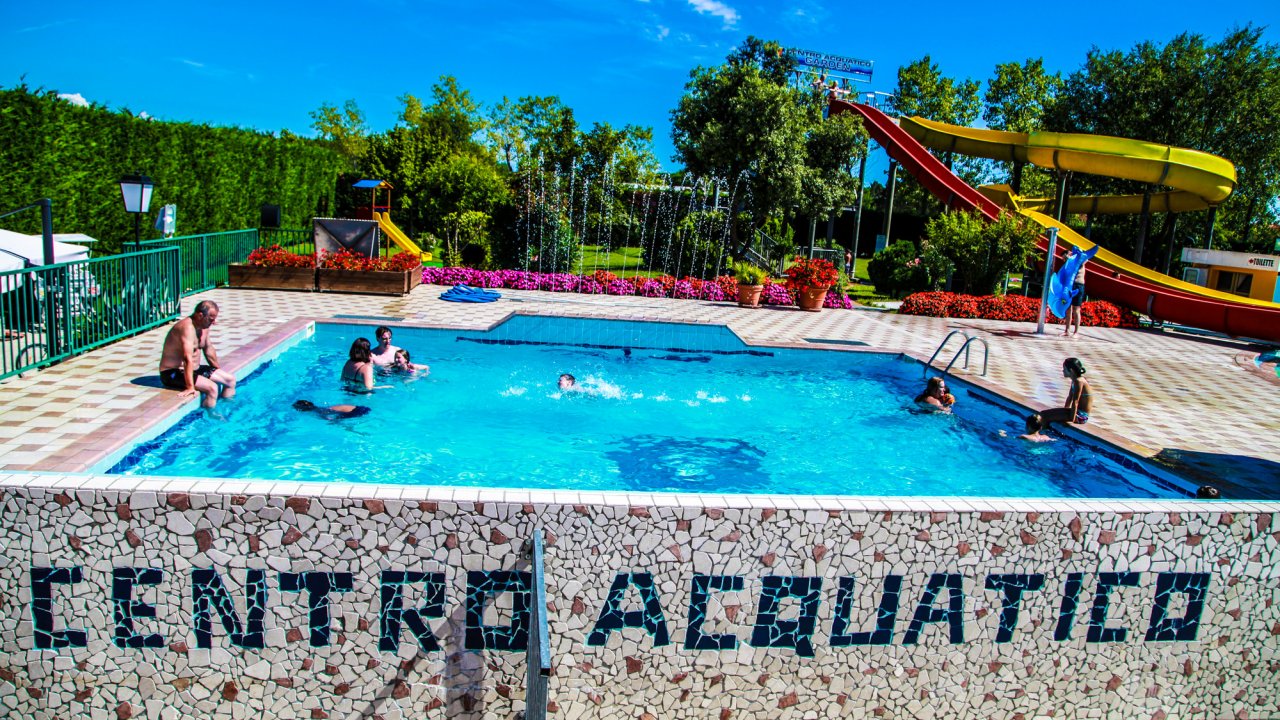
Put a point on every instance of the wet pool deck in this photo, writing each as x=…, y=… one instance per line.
x=1197, y=402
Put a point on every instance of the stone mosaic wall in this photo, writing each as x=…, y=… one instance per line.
x=119, y=604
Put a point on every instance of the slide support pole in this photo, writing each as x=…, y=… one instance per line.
x=1048, y=273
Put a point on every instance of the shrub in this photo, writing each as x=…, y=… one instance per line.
x=897, y=270
x=981, y=252
x=1012, y=308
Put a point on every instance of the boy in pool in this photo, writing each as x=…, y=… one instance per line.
x=1035, y=423
x=333, y=412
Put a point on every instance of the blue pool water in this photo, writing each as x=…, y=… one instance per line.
x=679, y=408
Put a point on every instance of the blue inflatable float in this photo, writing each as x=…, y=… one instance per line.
x=1061, y=291
x=468, y=294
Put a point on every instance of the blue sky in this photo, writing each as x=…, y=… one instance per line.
x=267, y=65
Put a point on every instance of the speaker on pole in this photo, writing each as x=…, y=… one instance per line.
x=270, y=217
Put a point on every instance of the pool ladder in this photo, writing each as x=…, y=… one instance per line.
x=964, y=348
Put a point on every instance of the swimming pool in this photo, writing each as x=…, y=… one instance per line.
x=681, y=408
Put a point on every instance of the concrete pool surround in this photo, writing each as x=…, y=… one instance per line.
x=177, y=597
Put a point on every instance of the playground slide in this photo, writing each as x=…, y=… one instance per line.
x=1110, y=276
x=398, y=237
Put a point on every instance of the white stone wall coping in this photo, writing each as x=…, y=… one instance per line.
x=530, y=496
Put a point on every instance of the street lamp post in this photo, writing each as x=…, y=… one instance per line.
x=135, y=190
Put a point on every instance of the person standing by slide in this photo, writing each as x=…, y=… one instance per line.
x=1075, y=312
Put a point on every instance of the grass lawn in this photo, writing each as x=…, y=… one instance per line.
x=865, y=292
x=624, y=261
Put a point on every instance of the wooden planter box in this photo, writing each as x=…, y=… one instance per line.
x=372, y=282
x=271, y=278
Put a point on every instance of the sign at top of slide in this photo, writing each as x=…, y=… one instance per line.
x=860, y=69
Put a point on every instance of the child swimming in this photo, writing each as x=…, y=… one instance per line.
x=1035, y=423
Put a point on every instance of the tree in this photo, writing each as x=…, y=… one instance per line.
x=344, y=129
x=534, y=126
x=923, y=91
x=1222, y=98
x=1018, y=97
x=435, y=161
x=742, y=120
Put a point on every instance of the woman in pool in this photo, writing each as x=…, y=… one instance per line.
x=1079, y=401
x=357, y=373
x=935, y=396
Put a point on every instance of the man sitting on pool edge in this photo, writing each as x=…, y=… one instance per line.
x=333, y=412
x=180, y=358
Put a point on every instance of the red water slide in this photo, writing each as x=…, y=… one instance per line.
x=1156, y=301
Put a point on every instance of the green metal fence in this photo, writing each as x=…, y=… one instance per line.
x=205, y=257
x=52, y=312
x=301, y=240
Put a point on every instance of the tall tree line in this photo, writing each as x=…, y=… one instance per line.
x=219, y=177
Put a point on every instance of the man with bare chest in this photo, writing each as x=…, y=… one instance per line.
x=180, y=367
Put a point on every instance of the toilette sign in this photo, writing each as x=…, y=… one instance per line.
x=1172, y=604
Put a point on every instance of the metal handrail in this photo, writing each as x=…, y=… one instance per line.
x=924, y=372
x=538, y=656
x=986, y=354
x=964, y=348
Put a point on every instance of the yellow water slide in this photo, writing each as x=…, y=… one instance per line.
x=1198, y=181
x=397, y=235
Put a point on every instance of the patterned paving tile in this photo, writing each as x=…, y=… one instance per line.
x=1194, y=398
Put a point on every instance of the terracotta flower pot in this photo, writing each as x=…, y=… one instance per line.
x=811, y=299
x=749, y=295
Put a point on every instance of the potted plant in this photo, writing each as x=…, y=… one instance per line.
x=273, y=268
x=810, y=279
x=750, y=283
x=346, y=271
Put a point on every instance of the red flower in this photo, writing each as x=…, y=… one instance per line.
x=1012, y=308
x=815, y=273
x=276, y=256
x=347, y=260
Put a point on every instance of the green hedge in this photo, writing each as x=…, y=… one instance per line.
x=218, y=176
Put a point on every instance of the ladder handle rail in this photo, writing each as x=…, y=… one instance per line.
x=924, y=372
x=986, y=354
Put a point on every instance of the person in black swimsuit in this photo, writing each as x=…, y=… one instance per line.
x=333, y=412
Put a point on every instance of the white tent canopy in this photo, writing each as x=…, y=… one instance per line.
x=16, y=246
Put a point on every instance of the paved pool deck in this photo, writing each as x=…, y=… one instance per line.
x=1199, y=404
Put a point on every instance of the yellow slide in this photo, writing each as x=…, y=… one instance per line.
x=397, y=236
x=1112, y=261
x=1199, y=181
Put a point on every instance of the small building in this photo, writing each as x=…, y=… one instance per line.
x=1244, y=274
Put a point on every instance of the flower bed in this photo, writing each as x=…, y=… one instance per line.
x=273, y=268
x=1014, y=308
x=602, y=282
x=345, y=271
